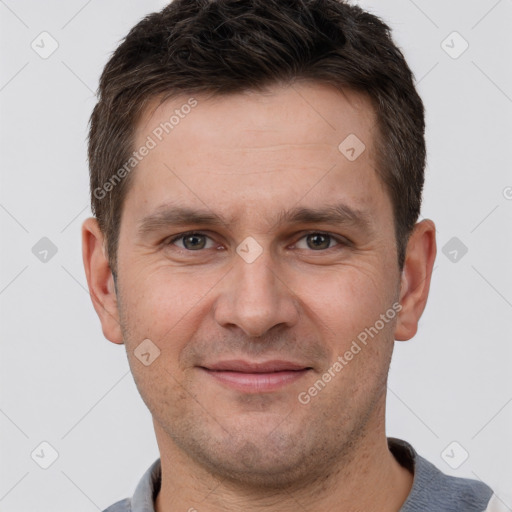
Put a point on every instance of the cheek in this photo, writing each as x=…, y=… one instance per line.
x=163, y=390
x=346, y=301
x=164, y=304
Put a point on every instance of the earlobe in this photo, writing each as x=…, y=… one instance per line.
x=100, y=280
x=415, y=279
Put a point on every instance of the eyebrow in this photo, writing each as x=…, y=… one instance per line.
x=169, y=215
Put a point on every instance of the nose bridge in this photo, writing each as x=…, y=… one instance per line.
x=257, y=281
x=255, y=298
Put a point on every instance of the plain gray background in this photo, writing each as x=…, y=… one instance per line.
x=61, y=382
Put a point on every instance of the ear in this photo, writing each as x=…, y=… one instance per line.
x=100, y=280
x=415, y=279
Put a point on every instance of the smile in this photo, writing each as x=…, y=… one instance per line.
x=256, y=377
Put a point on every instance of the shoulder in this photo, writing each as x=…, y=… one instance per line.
x=458, y=494
x=434, y=490
x=145, y=492
x=120, y=506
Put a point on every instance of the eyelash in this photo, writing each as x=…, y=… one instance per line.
x=341, y=241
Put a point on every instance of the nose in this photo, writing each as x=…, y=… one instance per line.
x=255, y=297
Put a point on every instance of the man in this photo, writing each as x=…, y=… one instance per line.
x=256, y=178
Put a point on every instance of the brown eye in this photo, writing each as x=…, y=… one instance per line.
x=192, y=241
x=318, y=242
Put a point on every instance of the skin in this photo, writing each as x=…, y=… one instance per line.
x=247, y=158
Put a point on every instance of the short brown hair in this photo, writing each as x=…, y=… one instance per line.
x=229, y=46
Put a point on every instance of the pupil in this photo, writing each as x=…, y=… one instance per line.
x=319, y=241
x=191, y=242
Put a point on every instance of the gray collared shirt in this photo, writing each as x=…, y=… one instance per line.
x=431, y=490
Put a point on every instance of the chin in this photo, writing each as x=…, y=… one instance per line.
x=258, y=460
x=253, y=468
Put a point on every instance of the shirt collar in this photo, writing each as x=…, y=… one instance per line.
x=143, y=499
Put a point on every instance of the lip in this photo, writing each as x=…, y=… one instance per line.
x=239, y=365
x=256, y=377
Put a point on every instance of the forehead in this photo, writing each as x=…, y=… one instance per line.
x=291, y=144
x=325, y=114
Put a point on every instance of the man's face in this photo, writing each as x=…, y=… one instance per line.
x=268, y=283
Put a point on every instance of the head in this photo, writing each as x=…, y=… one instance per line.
x=177, y=52
x=287, y=139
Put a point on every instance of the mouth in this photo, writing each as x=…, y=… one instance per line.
x=255, y=377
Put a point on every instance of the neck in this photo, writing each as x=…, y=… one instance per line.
x=372, y=480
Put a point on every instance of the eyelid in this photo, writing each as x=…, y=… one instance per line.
x=175, y=238
x=341, y=240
